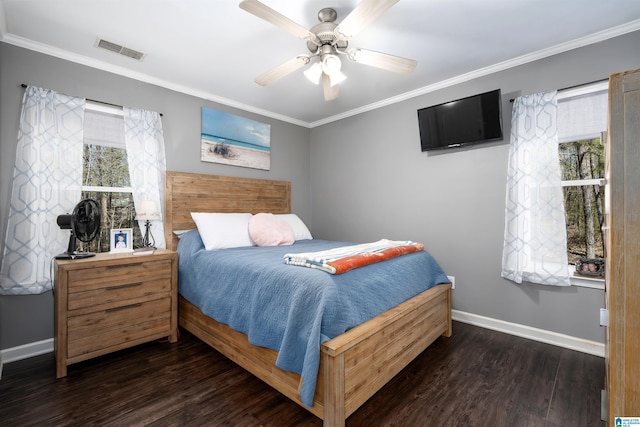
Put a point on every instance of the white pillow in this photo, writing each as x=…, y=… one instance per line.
x=179, y=233
x=223, y=230
x=300, y=230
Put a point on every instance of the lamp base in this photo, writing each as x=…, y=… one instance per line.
x=147, y=250
x=146, y=239
x=75, y=255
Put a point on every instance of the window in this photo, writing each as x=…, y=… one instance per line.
x=105, y=174
x=582, y=165
x=582, y=117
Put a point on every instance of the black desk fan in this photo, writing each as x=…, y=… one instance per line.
x=84, y=224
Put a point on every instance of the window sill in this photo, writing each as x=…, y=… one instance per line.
x=585, y=282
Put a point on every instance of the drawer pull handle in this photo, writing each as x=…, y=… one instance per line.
x=128, y=285
x=124, y=307
x=133, y=264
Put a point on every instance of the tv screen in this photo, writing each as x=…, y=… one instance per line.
x=466, y=121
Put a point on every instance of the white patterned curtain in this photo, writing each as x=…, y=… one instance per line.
x=47, y=182
x=147, y=165
x=535, y=239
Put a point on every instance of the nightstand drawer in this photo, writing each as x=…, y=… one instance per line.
x=98, y=330
x=122, y=273
x=111, y=296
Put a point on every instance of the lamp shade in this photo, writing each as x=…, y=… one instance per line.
x=331, y=66
x=331, y=63
x=147, y=211
x=336, y=77
x=313, y=73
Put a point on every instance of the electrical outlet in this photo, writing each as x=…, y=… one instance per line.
x=452, y=279
x=604, y=317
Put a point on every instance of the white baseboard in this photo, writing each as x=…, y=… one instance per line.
x=541, y=335
x=590, y=347
x=26, y=351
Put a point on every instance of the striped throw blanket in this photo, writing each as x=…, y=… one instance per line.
x=340, y=260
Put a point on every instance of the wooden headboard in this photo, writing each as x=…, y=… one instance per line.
x=191, y=192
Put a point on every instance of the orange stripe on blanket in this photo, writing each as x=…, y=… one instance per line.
x=347, y=263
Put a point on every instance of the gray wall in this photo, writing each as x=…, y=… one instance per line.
x=369, y=180
x=25, y=319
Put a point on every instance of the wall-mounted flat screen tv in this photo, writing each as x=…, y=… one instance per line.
x=471, y=120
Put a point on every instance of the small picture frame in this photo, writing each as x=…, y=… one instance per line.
x=121, y=240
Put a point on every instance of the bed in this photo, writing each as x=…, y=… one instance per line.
x=353, y=365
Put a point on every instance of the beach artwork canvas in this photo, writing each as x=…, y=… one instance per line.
x=234, y=140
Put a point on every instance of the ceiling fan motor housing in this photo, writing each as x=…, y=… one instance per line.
x=327, y=14
x=325, y=32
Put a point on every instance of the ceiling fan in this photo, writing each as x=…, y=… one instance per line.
x=327, y=41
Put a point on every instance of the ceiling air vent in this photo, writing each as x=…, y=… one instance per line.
x=114, y=47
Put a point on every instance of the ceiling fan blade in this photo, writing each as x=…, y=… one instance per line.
x=384, y=61
x=361, y=16
x=282, y=70
x=330, y=92
x=263, y=11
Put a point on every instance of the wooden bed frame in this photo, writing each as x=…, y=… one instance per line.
x=354, y=365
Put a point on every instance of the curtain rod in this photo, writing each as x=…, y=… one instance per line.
x=575, y=86
x=24, y=86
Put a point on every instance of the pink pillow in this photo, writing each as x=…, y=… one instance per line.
x=266, y=229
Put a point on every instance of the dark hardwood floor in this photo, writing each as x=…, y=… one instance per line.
x=477, y=377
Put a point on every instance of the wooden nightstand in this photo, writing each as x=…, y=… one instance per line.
x=113, y=301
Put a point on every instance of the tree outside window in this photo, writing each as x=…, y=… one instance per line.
x=582, y=166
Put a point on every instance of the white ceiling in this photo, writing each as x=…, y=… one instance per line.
x=213, y=49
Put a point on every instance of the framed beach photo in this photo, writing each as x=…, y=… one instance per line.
x=233, y=140
x=121, y=240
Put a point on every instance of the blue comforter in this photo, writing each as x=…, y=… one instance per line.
x=293, y=309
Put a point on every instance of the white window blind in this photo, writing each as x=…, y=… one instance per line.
x=103, y=127
x=582, y=115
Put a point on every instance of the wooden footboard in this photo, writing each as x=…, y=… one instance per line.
x=353, y=366
x=359, y=362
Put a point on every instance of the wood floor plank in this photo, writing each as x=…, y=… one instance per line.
x=576, y=376
x=477, y=377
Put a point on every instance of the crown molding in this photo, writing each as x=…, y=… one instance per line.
x=125, y=72
x=501, y=66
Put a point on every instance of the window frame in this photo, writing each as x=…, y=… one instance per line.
x=580, y=281
x=113, y=110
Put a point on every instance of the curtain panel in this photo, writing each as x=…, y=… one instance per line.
x=147, y=164
x=47, y=182
x=535, y=240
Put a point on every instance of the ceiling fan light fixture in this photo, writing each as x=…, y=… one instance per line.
x=314, y=73
x=336, y=77
x=331, y=66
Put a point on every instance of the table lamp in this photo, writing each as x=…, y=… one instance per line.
x=147, y=212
